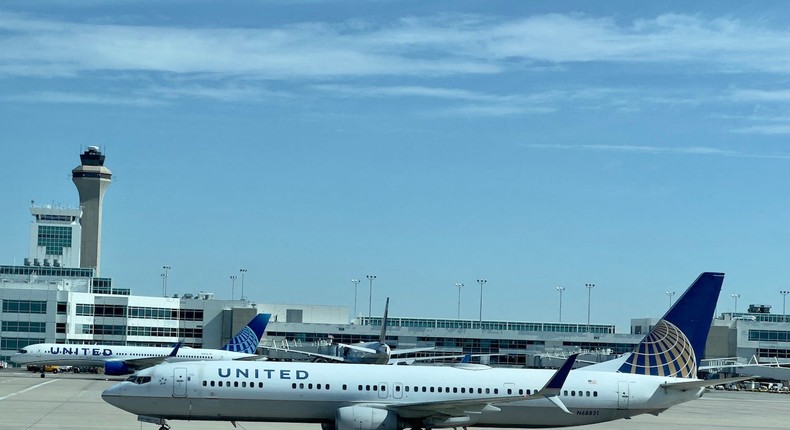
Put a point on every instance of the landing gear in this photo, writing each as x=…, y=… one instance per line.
x=165, y=426
x=43, y=375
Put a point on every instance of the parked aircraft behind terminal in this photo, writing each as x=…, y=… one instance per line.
x=659, y=373
x=375, y=352
x=122, y=360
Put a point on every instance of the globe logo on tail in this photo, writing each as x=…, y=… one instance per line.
x=666, y=351
x=245, y=341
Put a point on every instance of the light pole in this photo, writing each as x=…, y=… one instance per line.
x=670, y=294
x=459, y=299
x=242, y=271
x=560, y=289
x=784, y=294
x=232, y=286
x=481, y=282
x=589, y=296
x=164, y=280
x=370, y=296
x=356, y=284
x=735, y=296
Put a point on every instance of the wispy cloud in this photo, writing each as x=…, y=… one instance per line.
x=433, y=46
x=640, y=149
x=57, y=97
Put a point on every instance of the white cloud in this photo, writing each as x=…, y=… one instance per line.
x=443, y=45
x=58, y=97
x=640, y=149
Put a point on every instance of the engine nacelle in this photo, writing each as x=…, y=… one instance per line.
x=365, y=418
x=116, y=368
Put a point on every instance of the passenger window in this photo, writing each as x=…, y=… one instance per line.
x=595, y=394
x=310, y=386
x=509, y=391
x=212, y=383
x=345, y=387
x=488, y=391
x=479, y=391
x=455, y=389
x=205, y=383
x=327, y=386
x=588, y=394
x=432, y=389
x=244, y=384
x=397, y=389
x=463, y=390
x=565, y=393
x=293, y=385
x=301, y=385
x=260, y=384
x=236, y=384
x=318, y=386
x=496, y=390
x=440, y=389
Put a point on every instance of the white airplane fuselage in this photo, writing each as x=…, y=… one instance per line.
x=97, y=355
x=315, y=392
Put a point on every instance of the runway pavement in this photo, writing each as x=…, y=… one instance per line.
x=70, y=401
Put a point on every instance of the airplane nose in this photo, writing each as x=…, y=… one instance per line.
x=112, y=395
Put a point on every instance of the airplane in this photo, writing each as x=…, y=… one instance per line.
x=123, y=360
x=375, y=352
x=659, y=373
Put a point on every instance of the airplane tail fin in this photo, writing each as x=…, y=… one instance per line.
x=675, y=346
x=249, y=337
x=383, y=335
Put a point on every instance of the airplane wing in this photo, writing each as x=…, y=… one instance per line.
x=467, y=407
x=315, y=355
x=401, y=351
x=143, y=362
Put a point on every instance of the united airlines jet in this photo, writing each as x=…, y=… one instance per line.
x=659, y=373
x=122, y=360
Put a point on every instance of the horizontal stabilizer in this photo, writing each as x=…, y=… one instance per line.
x=690, y=385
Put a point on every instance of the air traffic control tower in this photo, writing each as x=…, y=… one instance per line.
x=92, y=180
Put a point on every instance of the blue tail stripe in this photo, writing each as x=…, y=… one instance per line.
x=693, y=312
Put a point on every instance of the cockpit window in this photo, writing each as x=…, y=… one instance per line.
x=22, y=351
x=138, y=379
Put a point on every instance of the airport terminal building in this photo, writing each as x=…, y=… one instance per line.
x=58, y=295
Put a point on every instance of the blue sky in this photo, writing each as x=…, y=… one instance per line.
x=533, y=144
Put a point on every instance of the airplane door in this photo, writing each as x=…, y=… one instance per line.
x=623, y=395
x=397, y=390
x=179, y=382
x=382, y=390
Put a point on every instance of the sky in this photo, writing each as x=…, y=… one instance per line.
x=531, y=144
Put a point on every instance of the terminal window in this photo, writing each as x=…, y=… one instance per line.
x=54, y=238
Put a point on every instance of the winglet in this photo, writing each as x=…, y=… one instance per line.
x=553, y=387
x=174, y=353
x=249, y=337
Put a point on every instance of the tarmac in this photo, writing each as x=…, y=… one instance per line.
x=73, y=401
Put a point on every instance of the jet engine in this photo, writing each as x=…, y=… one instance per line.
x=116, y=368
x=365, y=418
